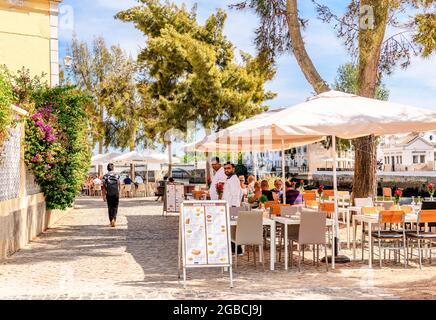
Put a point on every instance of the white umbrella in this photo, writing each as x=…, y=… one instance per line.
x=101, y=159
x=336, y=114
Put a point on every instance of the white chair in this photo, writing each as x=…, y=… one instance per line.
x=141, y=189
x=311, y=231
x=128, y=190
x=249, y=231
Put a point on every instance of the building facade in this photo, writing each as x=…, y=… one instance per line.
x=408, y=153
x=29, y=37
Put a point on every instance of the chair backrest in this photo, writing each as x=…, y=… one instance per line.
x=329, y=193
x=270, y=203
x=387, y=192
x=312, y=228
x=369, y=210
x=234, y=211
x=427, y=216
x=362, y=202
x=289, y=210
x=249, y=228
x=407, y=209
x=141, y=187
x=391, y=216
x=198, y=194
x=307, y=196
x=343, y=193
x=276, y=208
x=312, y=203
x=327, y=207
x=387, y=205
x=127, y=187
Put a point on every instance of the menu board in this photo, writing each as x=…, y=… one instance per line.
x=174, y=196
x=205, y=233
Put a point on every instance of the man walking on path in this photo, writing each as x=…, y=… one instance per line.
x=111, y=191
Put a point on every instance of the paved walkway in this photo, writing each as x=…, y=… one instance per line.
x=83, y=258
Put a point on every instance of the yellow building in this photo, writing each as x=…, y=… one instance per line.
x=29, y=36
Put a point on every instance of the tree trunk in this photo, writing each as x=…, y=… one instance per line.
x=299, y=49
x=170, y=160
x=371, y=37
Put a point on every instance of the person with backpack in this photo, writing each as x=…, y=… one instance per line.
x=111, y=191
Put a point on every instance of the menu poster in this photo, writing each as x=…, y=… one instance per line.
x=205, y=228
x=175, y=194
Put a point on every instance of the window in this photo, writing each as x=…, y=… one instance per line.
x=305, y=149
x=422, y=159
x=415, y=159
x=401, y=159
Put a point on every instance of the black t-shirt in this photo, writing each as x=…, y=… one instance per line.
x=268, y=194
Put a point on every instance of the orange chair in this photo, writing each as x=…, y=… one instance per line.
x=198, y=194
x=328, y=208
x=307, y=196
x=369, y=210
x=393, y=218
x=424, y=216
x=328, y=193
x=312, y=203
x=276, y=208
x=387, y=193
x=270, y=203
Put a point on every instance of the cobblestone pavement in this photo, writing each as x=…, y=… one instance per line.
x=83, y=258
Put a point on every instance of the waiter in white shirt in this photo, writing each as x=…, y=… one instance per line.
x=232, y=192
x=219, y=176
x=232, y=188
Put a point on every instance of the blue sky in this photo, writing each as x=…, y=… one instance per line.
x=415, y=86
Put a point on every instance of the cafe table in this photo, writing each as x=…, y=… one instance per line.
x=371, y=219
x=272, y=224
x=294, y=220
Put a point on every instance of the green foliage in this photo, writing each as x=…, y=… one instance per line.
x=191, y=71
x=5, y=107
x=425, y=35
x=56, y=144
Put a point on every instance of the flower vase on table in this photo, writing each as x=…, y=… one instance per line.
x=220, y=190
x=431, y=190
x=397, y=197
x=320, y=192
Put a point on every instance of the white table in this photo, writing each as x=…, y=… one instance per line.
x=272, y=224
x=371, y=219
x=295, y=220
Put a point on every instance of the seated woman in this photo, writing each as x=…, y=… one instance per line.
x=293, y=196
x=257, y=193
x=272, y=196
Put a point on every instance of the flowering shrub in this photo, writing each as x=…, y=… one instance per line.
x=56, y=144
